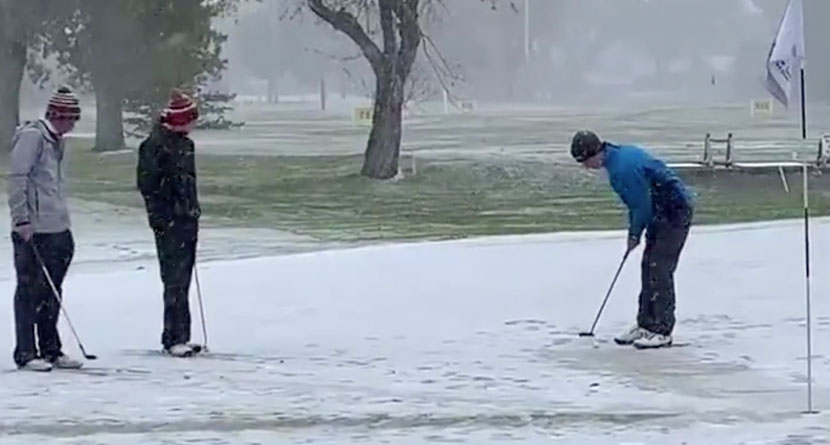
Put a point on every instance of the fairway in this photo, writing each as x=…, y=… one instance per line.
x=491, y=172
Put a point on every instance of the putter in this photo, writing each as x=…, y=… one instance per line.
x=608, y=294
x=57, y=296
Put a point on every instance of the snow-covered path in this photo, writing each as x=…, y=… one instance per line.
x=469, y=341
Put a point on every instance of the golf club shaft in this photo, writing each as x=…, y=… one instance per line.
x=608, y=294
x=57, y=296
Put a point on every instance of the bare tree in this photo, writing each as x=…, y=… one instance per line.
x=398, y=26
x=401, y=36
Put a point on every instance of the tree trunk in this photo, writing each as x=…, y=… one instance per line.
x=392, y=66
x=384, y=147
x=13, y=57
x=109, y=117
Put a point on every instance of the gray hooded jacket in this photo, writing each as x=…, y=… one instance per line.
x=35, y=182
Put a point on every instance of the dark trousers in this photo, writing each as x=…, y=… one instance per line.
x=176, y=248
x=664, y=242
x=36, y=309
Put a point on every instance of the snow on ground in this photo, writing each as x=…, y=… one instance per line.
x=467, y=341
x=111, y=237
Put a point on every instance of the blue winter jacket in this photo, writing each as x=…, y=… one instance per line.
x=651, y=190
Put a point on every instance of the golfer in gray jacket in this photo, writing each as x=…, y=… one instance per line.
x=40, y=221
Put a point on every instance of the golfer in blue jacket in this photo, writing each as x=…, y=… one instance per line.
x=658, y=203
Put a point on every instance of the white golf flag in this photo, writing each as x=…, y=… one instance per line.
x=787, y=53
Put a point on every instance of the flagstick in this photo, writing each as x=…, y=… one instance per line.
x=803, y=108
x=807, y=252
x=807, y=276
x=786, y=51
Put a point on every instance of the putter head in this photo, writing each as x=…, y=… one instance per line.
x=586, y=334
x=90, y=357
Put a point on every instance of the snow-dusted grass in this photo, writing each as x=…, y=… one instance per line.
x=470, y=341
x=499, y=170
x=463, y=341
x=110, y=237
x=467, y=341
x=324, y=198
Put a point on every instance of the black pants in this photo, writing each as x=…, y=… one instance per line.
x=36, y=309
x=176, y=248
x=664, y=242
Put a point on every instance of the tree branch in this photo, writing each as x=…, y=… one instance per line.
x=368, y=90
x=440, y=67
x=387, y=26
x=346, y=23
x=418, y=86
x=410, y=31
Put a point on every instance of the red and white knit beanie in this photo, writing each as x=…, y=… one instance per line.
x=180, y=110
x=63, y=105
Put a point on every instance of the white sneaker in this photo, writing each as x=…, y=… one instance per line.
x=180, y=350
x=66, y=362
x=37, y=365
x=630, y=336
x=652, y=341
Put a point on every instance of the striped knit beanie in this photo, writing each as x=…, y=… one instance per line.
x=180, y=110
x=63, y=105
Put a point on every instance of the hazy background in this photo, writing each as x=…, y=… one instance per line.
x=586, y=51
